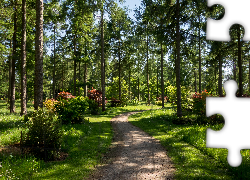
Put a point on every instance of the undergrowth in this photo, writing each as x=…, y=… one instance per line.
x=83, y=145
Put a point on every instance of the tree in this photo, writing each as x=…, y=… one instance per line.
x=38, y=84
x=23, y=61
x=178, y=60
x=13, y=63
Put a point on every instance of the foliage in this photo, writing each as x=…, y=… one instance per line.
x=199, y=103
x=186, y=100
x=134, y=102
x=44, y=134
x=158, y=103
x=95, y=100
x=50, y=104
x=160, y=98
x=72, y=110
x=113, y=92
x=64, y=96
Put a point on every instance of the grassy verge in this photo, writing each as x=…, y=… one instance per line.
x=186, y=145
x=84, y=143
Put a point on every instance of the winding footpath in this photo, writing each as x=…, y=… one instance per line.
x=133, y=155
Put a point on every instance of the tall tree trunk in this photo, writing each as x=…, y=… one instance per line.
x=148, y=97
x=240, y=64
x=119, y=70
x=75, y=65
x=38, y=84
x=129, y=79
x=162, y=80
x=178, y=61
x=157, y=81
x=13, y=76
x=10, y=72
x=195, y=81
x=23, y=61
x=54, y=65
x=199, y=57
x=138, y=88
x=85, y=79
x=220, y=75
x=79, y=75
x=102, y=61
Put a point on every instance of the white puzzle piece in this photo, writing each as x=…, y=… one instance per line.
x=235, y=134
x=236, y=12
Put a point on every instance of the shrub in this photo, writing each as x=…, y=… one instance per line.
x=160, y=98
x=44, y=134
x=158, y=103
x=50, y=104
x=199, y=103
x=72, y=110
x=64, y=95
x=199, y=108
x=95, y=100
x=134, y=102
x=186, y=100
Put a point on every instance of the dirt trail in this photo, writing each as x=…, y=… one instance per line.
x=134, y=155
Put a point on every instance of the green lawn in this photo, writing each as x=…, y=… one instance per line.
x=186, y=145
x=84, y=143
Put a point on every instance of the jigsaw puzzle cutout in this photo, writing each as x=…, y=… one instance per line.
x=236, y=12
x=235, y=134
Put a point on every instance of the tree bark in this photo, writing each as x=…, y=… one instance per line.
x=23, y=61
x=220, y=75
x=54, y=65
x=85, y=79
x=195, y=81
x=75, y=65
x=13, y=76
x=138, y=88
x=162, y=80
x=178, y=61
x=119, y=70
x=199, y=57
x=102, y=61
x=10, y=72
x=148, y=74
x=38, y=84
x=129, y=86
x=240, y=64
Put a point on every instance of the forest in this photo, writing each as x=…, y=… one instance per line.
x=74, y=46
x=81, y=59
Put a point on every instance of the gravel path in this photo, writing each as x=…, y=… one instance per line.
x=134, y=155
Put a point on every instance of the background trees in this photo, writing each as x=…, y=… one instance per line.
x=85, y=44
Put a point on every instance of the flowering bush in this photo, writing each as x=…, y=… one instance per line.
x=95, y=100
x=72, y=110
x=50, y=104
x=95, y=95
x=69, y=108
x=199, y=103
x=160, y=98
x=64, y=95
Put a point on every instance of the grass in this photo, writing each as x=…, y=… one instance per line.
x=186, y=145
x=84, y=143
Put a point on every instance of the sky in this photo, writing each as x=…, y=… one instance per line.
x=131, y=4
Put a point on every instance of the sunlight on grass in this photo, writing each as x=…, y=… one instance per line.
x=84, y=143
